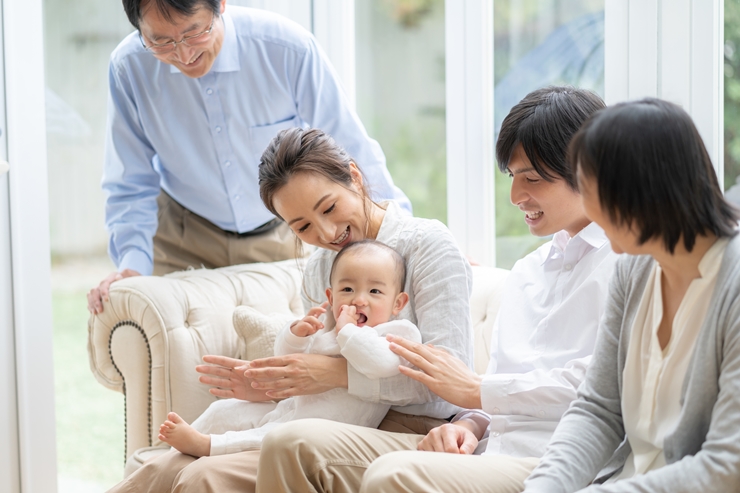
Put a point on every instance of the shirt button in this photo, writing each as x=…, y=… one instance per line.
x=496, y=410
x=227, y=163
x=236, y=197
x=218, y=129
x=568, y=266
x=541, y=414
x=209, y=91
x=496, y=433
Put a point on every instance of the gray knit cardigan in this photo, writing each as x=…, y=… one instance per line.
x=703, y=454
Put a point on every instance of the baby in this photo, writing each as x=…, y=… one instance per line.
x=367, y=280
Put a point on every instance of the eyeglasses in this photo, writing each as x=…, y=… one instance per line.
x=193, y=40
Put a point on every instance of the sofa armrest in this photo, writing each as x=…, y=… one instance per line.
x=155, y=330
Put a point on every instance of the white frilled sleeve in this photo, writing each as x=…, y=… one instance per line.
x=366, y=348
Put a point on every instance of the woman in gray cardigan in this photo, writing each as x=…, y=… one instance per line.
x=659, y=410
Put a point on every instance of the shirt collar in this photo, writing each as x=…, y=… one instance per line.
x=712, y=259
x=592, y=236
x=392, y=225
x=228, y=58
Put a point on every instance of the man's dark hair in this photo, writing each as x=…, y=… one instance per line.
x=166, y=8
x=370, y=247
x=543, y=123
x=653, y=172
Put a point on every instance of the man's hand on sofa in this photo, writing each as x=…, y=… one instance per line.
x=98, y=294
x=227, y=379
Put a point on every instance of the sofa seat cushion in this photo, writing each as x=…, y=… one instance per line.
x=257, y=331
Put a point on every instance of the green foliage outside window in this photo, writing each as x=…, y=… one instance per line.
x=732, y=92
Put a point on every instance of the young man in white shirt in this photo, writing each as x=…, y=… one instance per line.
x=542, y=342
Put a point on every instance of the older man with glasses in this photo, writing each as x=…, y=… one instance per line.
x=196, y=94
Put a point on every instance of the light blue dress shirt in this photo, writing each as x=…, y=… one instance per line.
x=200, y=140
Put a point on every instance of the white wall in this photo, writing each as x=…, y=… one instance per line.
x=470, y=147
x=674, y=51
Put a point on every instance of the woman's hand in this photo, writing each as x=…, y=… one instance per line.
x=442, y=373
x=286, y=376
x=452, y=438
x=228, y=380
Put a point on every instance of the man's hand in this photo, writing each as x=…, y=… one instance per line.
x=97, y=295
x=227, y=379
x=310, y=324
x=451, y=438
x=442, y=373
x=286, y=376
x=347, y=315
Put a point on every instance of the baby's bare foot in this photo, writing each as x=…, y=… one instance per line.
x=177, y=433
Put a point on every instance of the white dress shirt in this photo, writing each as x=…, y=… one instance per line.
x=439, y=282
x=542, y=340
x=653, y=377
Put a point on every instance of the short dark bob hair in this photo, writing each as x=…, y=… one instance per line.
x=167, y=8
x=543, y=123
x=653, y=172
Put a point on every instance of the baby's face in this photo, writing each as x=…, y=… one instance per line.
x=370, y=284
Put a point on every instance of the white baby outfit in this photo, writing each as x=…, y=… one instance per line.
x=236, y=425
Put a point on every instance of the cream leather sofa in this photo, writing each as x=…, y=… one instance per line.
x=155, y=330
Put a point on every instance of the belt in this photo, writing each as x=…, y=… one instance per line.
x=268, y=226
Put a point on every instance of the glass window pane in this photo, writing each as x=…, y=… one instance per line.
x=539, y=43
x=79, y=37
x=401, y=94
x=732, y=101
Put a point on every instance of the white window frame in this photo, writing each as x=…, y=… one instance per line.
x=674, y=51
x=334, y=27
x=26, y=217
x=469, y=108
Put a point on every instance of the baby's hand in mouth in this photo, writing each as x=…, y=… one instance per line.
x=348, y=315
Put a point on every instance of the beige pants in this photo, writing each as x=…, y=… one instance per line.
x=185, y=239
x=315, y=455
x=179, y=473
x=322, y=456
x=411, y=471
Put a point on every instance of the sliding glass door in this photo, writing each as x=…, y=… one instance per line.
x=27, y=429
